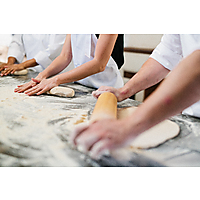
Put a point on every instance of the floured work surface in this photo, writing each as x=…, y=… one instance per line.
x=34, y=131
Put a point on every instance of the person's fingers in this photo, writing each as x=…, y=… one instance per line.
x=103, y=89
x=2, y=68
x=36, y=90
x=35, y=80
x=100, y=148
x=97, y=93
x=42, y=91
x=5, y=72
x=32, y=91
x=13, y=71
x=20, y=85
x=86, y=140
x=8, y=72
x=33, y=84
x=23, y=88
x=79, y=129
x=19, y=88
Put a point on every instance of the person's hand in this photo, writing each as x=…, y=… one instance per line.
x=10, y=69
x=115, y=91
x=100, y=137
x=42, y=87
x=2, y=66
x=26, y=86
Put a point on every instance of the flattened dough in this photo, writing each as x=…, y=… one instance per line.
x=155, y=135
x=62, y=91
x=21, y=72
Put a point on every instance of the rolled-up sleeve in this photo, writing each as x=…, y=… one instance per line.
x=44, y=58
x=16, y=48
x=169, y=51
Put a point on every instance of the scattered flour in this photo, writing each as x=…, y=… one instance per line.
x=33, y=122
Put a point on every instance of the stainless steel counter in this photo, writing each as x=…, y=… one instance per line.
x=34, y=131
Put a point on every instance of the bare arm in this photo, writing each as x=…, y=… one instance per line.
x=55, y=67
x=61, y=62
x=10, y=68
x=11, y=60
x=150, y=73
x=177, y=92
x=103, y=52
x=170, y=98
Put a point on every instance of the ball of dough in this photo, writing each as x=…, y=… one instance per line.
x=21, y=72
x=62, y=91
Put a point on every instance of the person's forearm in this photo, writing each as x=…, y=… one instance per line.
x=11, y=60
x=104, y=47
x=150, y=74
x=59, y=64
x=83, y=71
x=26, y=64
x=29, y=63
x=177, y=92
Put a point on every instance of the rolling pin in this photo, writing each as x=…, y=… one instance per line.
x=105, y=108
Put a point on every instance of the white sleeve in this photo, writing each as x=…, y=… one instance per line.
x=44, y=58
x=169, y=51
x=16, y=48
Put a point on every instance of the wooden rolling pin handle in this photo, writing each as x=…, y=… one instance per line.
x=105, y=108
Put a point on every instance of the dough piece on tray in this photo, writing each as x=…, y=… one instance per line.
x=154, y=136
x=62, y=91
x=21, y=72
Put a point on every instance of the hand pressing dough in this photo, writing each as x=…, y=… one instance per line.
x=155, y=135
x=21, y=72
x=62, y=91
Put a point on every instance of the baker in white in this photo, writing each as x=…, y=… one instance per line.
x=177, y=54
x=83, y=50
x=171, y=50
x=40, y=50
x=94, y=65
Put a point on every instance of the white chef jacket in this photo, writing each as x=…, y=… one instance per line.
x=43, y=47
x=171, y=50
x=83, y=50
